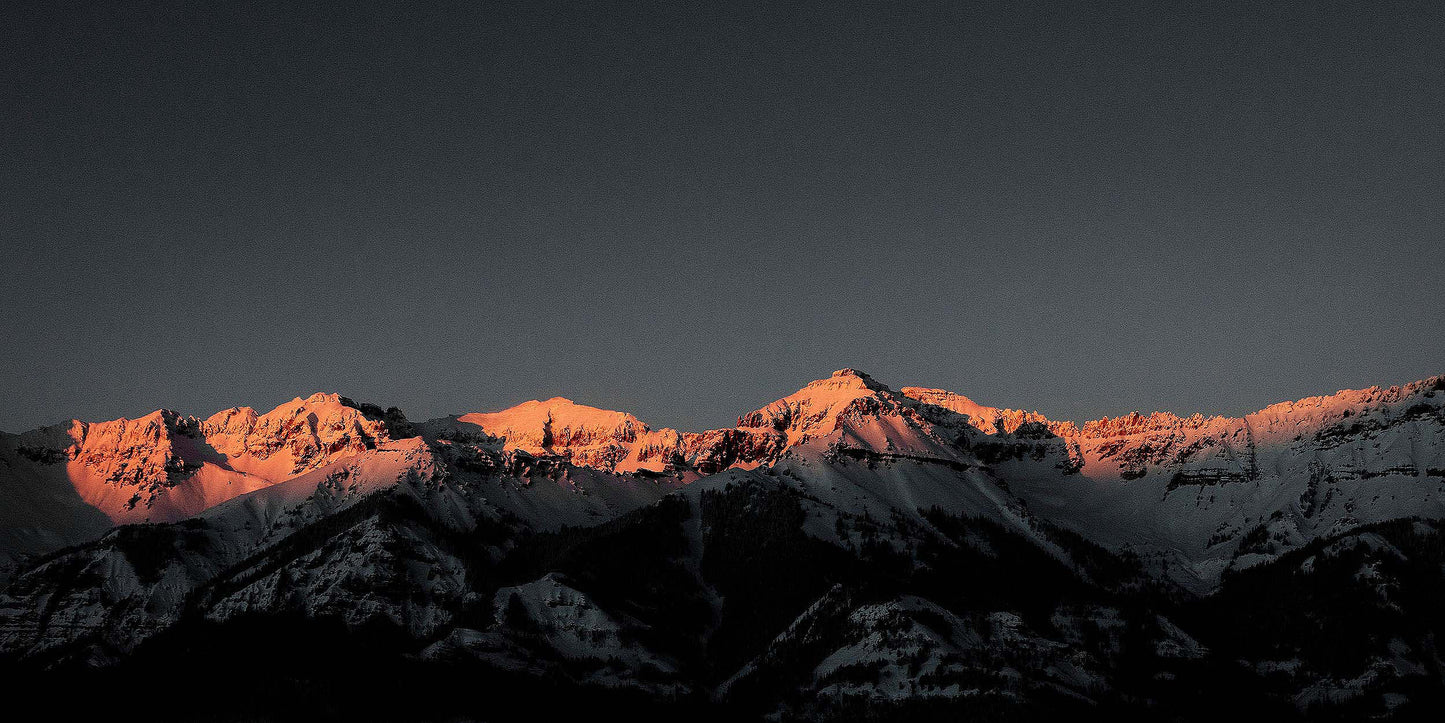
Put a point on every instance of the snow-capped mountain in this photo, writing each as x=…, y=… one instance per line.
x=58, y=483
x=849, y=550
x=1201, y=495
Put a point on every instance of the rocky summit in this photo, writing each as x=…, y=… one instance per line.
x=848, y=552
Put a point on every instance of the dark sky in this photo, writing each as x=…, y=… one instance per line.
x=686, y=211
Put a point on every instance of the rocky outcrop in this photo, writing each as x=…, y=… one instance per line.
x=1191, y=491
x=166, y=466
x=848, y=545
x=989, y=420
x=296, y=436
x=849, y=406
x=1194, y=484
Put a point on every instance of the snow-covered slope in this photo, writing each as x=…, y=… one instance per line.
x=326, y=542
x=848, y=408
x=570, y=627
x=1200, y=495
x=164, y=466
x=1195, y=495
x=616, y=441
x=859, y=452
x=846, y=547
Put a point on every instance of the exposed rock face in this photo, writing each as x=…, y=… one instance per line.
x=712, y=452
x=989, y=420
x=1192, y=485
x=844, y=406
x=559, y=426
x=848, y=547
x=818, y=408
x=363, y=538
x=294, y=437
x=165, y=466
x=851, y=411
x=1204, y=494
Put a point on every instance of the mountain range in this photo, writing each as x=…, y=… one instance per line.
x=848, y=552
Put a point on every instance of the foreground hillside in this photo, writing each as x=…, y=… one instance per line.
x=848, y=552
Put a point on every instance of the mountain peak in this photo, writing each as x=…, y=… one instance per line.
x=856, y=377
x=845, y=382
x=543, y=426
x=841, y=404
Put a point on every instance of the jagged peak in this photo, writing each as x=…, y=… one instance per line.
x=1139, y=423
x=297, y=405
x=1366, y=395
x=158, y=425
x=1307, y=410
x=226, y=416
x=986, y=418
x=319, y=399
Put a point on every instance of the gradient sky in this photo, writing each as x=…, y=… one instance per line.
x=687, y=210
